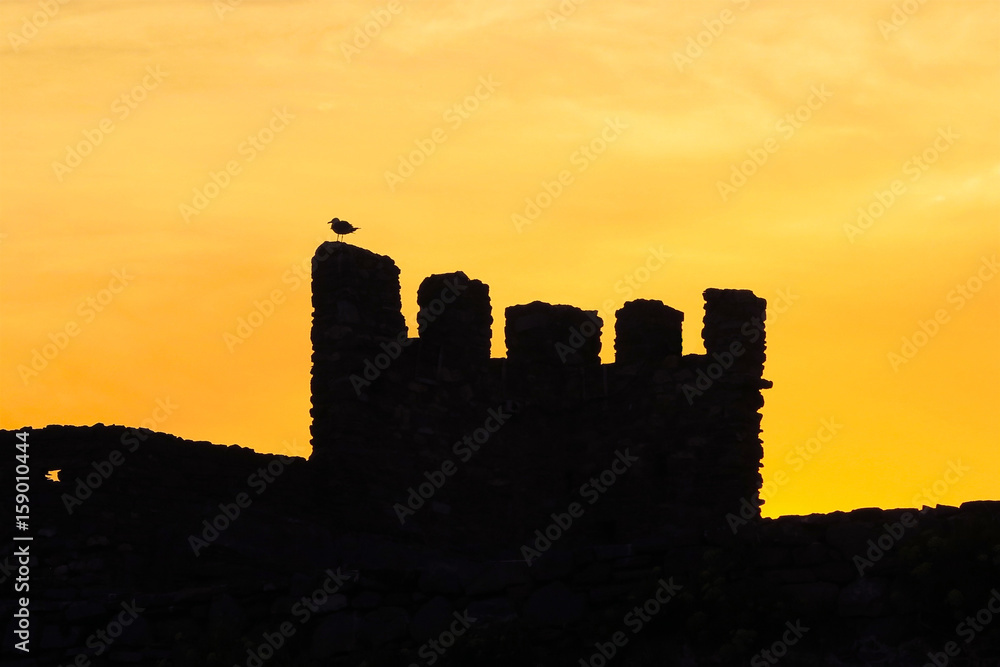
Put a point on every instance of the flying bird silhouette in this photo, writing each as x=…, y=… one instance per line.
x=342, y=227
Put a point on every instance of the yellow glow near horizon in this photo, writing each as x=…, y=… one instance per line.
x=897, y=115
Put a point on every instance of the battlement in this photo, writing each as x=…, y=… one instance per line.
x=392, y=406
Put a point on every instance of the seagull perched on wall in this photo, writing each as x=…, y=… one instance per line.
x=342, y=227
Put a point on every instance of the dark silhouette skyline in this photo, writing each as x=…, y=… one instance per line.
x=542, y=508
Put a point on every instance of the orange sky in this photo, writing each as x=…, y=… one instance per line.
x=114, y=113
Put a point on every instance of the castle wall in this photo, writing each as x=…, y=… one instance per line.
x=551, y=417
x=865, y=583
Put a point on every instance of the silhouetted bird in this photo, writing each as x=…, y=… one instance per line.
x=341, y=227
